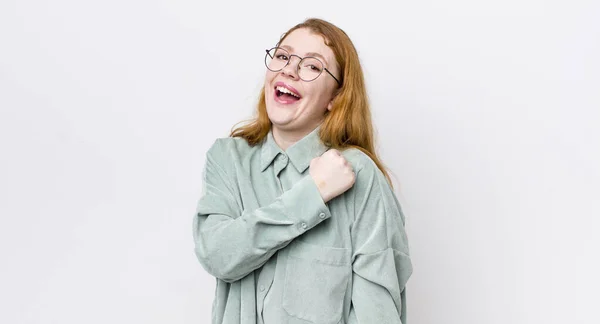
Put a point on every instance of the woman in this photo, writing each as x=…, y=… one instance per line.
x=298, y=221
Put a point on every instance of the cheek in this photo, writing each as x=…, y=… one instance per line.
x=320, y=93
x=269, y=77
x=267, y=86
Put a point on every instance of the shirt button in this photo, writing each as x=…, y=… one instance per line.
x=284, y=157
x=322, y=215
x=304, y=225
x=262, y=288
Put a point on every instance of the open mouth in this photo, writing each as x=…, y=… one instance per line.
x=286, y=95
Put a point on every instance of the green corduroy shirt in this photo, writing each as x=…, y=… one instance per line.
x=281, y=255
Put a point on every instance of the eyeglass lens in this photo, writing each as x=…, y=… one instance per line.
x=309, y=68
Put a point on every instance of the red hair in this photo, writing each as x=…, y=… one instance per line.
x=348, y=124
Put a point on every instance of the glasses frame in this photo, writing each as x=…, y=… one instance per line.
x=298, y=66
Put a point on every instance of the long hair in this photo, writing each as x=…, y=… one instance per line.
x=348, y=124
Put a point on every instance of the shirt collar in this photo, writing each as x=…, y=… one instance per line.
x=300, y=153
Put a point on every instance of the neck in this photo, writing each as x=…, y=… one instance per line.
x=286, y=138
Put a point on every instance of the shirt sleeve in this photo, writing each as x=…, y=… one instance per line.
x=380, y=259
x=230, y=242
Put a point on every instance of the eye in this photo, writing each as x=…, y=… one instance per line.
x=281, y=57
x=314, y=68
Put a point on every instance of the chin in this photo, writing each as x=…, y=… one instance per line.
x=278, y=120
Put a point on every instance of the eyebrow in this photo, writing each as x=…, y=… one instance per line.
x=307, y=54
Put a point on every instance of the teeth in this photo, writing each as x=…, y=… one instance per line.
x=285, y=90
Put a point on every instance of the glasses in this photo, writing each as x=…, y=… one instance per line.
x=308, y=69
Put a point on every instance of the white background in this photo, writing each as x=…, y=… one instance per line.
x=486, y=112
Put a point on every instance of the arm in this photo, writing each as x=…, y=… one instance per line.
x=231, y=243
x=380, y=261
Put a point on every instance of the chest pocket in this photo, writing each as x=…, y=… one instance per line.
x=316, y=280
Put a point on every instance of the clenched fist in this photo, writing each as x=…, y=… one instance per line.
x=332, y=173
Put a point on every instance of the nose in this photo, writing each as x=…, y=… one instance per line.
x=291, y=69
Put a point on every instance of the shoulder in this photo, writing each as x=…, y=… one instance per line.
x=226, y=146
x=369, y=178
x=361, y=162
x=371, y=185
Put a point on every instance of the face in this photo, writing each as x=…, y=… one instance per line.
x=305, y=109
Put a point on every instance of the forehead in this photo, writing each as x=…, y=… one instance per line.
x=304, y=41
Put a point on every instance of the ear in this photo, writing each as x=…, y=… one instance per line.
x=330, y=104
x=335, y=94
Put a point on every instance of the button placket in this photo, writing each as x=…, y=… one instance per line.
x=280, y=164
x=264, y=281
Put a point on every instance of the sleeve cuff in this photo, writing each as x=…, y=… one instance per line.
x=304, y=204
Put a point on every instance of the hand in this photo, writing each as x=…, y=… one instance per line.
x=332, y=173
